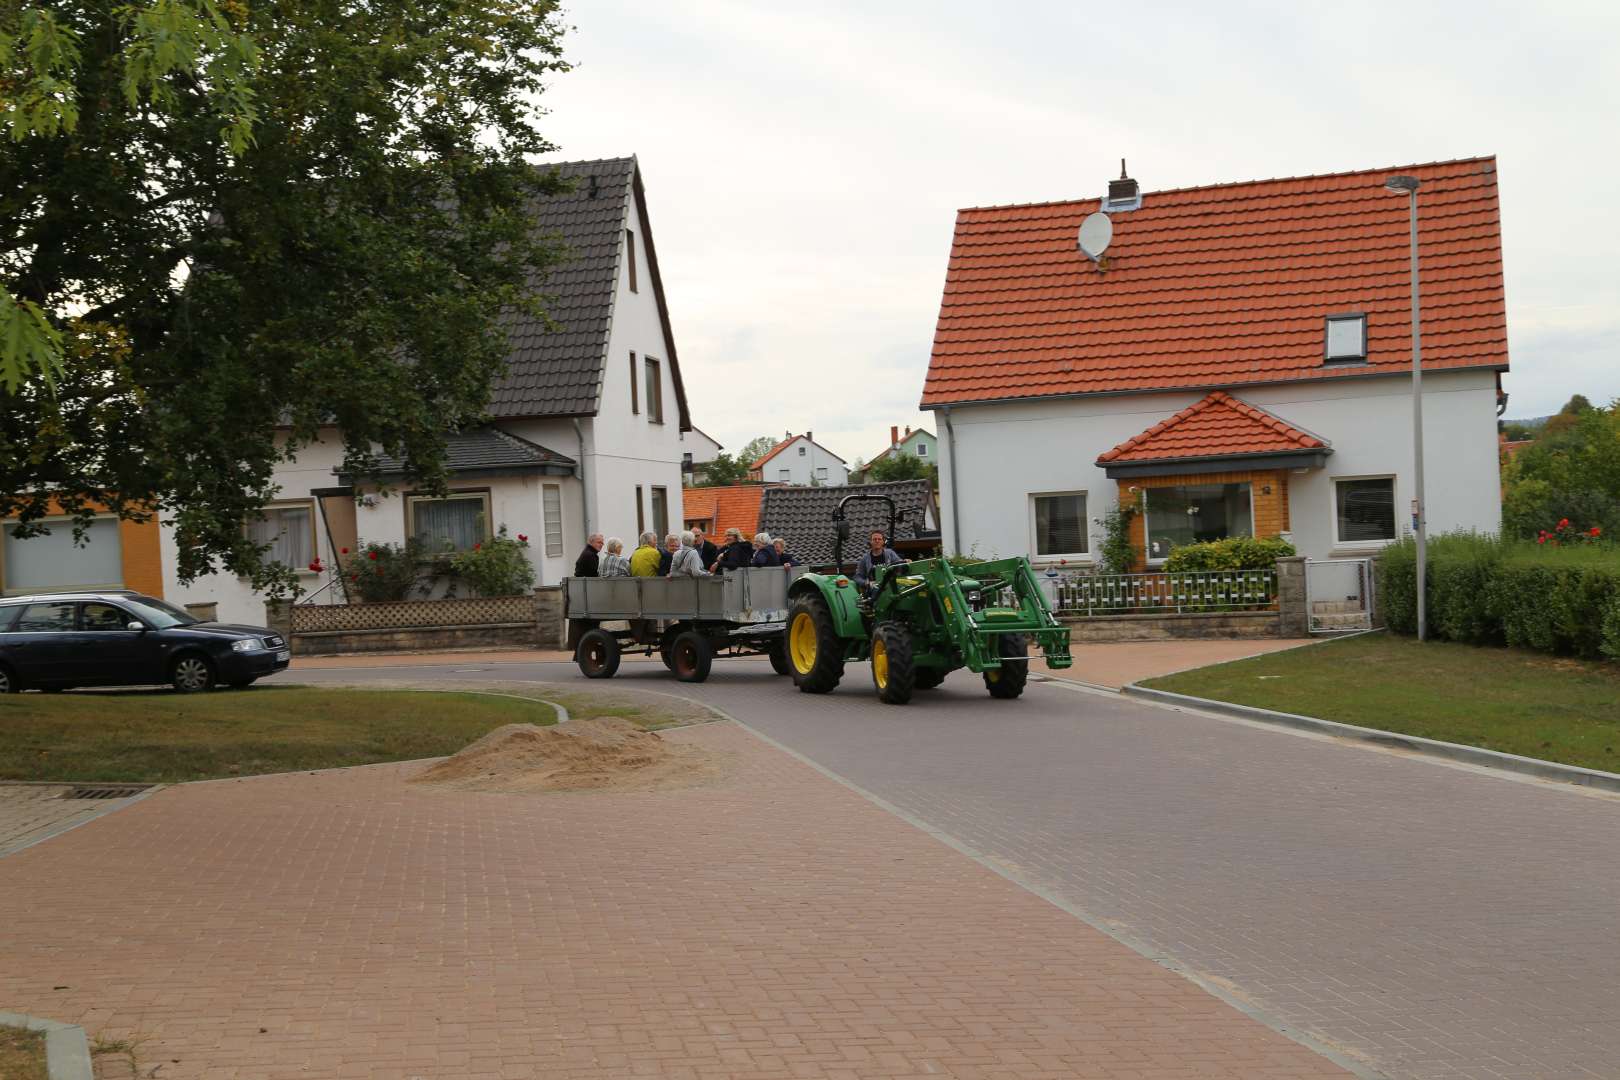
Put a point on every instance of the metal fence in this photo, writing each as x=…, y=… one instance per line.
x=1211, y=590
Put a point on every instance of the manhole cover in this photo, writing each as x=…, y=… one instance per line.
x=104, y=791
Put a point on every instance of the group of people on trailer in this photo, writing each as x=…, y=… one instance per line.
x=690, y=554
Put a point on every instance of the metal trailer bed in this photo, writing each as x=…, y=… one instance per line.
x=688, y=621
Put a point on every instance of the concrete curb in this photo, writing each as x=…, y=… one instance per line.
x=1468, y=755
x=67, y=1051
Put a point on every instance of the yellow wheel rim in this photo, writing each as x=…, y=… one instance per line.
x=880, y=664
x=802, y=643
x=993, y=675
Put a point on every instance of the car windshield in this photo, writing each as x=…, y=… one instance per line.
x=158, y=613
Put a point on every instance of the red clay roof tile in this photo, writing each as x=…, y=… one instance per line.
x=1223, y=285
x=1218, y=425
x=735, y=506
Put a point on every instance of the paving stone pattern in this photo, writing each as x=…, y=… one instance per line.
x=31, y=812
x=1431, y=921
x=775, y=926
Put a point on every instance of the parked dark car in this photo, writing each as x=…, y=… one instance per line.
x=125, y=639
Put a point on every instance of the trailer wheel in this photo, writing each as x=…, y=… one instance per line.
x=666, y=648
x=893, y=672
x=597, y=655
x=691, y=657
x=814, y=650
x=1008, y=680
x=777, y=651
x=928, y=678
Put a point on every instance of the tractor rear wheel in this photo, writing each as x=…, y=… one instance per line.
x=597, y=655
x=814, y=650
x=893, y=672
x=777, y=651
x=691, y=657
x=1008, y=680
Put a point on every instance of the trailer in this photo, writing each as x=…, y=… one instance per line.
x=688, y=621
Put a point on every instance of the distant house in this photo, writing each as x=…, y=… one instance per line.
x=587, y=429
x=799, y=459
x=919, y=444
x=804, y=517
x=716, y=509
x=1238, y=364
x=701, y=448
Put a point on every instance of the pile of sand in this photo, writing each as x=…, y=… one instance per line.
x=603, y=753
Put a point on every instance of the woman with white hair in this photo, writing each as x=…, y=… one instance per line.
x=614, y=561
x=764, y=551
x=688, y=561
x=735, y=555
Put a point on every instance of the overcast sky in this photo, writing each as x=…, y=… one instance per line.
x=804, y=162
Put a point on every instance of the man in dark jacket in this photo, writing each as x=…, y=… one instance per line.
x=764, y=552
x=585, y=565
x=672, y=544
x=878, y=554
x=705, y=548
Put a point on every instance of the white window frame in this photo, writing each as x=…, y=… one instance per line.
x=1327, y=334
x=57, y=523
x=546, y=523
x=1147, y=529
x=314, y=531
x=1333, y=512
x=922, y=449
x=411, y=502
x=1038, y=559
x=785, y=475
x=821, y=472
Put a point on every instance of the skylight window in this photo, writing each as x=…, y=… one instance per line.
x=1346, y=338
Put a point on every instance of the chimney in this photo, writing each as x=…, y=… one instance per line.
x=1124, y=193
x=809, y=436
x=894, y=435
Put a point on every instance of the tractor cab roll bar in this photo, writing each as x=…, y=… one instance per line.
x=841, y=522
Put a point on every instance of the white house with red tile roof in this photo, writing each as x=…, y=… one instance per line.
x=1238, y=362
x=799, y=459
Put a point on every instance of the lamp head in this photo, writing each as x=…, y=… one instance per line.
x=1401, y=184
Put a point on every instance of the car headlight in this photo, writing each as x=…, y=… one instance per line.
x=245, y=645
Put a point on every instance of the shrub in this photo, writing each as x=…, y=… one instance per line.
x=377, y=573
x=1233, y=553
x=1116, y=554
x=499, y=566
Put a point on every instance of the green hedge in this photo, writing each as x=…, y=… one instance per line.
x=1233, y=553
x=1487, y=591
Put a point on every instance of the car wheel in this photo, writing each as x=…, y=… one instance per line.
x=192, y=674
x=8, y=681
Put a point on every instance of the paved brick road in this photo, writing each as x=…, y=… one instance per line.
x=774, y=926
x=1432, y=921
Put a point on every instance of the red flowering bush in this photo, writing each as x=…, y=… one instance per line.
x=1566, y=535
x=499, y=566
x=389, y=572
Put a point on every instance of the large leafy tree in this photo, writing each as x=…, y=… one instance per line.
x=1571, y=473
x=724, y=470
x=224, y=227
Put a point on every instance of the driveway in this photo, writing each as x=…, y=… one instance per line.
x=1429, y=920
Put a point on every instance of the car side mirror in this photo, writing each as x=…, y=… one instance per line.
x=136, y=626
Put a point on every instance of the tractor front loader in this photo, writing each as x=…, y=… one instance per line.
x=920, y=621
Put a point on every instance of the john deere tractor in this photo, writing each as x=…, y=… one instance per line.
x=919, y=621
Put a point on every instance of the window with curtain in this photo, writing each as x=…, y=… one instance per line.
x=552, y=500
x=56, y=562
x=1060, y=523
x=1194, y=514
x=454, y=523
x=290, y=532
x=1365, y=509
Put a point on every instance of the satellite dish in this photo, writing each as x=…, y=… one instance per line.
x=1095, y=233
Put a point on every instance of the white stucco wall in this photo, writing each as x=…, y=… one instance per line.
x=790, y=466
x=1006, y=453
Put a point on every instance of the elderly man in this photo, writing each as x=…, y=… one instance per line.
x=672, y=544
x=705, y=549
x=644, y=561
x=878, y=553
x=586, y=564
x=783, y=555
x=687, y=562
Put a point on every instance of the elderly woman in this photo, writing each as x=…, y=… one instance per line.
x=764, y=551
x=784, y=557
x=615, y=563
x=736, y=554
x=688, y=560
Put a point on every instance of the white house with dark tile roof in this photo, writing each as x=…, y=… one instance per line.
x=587, y=432
x=1238, y=363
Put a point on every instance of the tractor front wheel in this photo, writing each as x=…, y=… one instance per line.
x=1008, y=680
x=893, y=672
x=814, y=651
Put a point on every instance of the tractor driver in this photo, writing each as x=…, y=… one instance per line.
x=879, y=554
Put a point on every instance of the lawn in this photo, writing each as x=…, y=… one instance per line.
x=163, y=737
x=22, y=1054
x=1512, y=700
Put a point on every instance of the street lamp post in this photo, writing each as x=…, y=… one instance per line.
x=1420, y=523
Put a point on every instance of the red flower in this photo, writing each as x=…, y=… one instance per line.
x=523, y=538
x=477, y=547
x=316, y=566
x=1596, y=531
x=1563, y=523
x=343, y=551
x=1542, y=539
x=371, y=555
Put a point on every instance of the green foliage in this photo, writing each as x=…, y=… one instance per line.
x=724, y=470
x=1116, y=554
x=1517, y=430
x=892, y=467
x=377, y=573
x=1486, y=591
x=499, y=566
x=310, y=215
x=754, y=449
x=1233, y=553
x=1572, y=473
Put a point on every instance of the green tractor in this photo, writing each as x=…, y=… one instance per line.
x=919, y=621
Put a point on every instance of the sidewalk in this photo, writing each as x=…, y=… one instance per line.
x=1117, y=663
x=774, y=925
